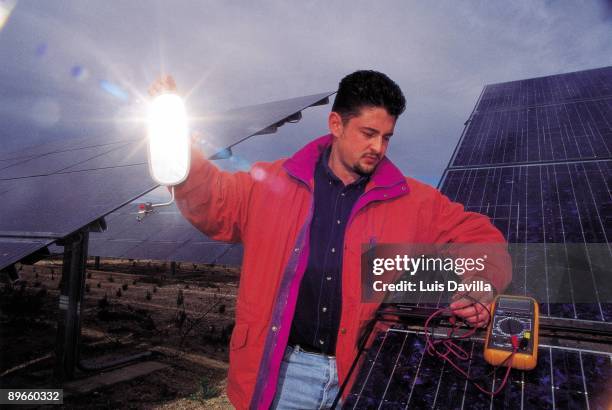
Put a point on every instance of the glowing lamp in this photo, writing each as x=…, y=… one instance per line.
x=169, y=143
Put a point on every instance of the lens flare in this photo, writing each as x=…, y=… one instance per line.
x=114, y=90
x=6, y=8
x=79, y=73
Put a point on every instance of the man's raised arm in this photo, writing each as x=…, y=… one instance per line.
x=214, y=201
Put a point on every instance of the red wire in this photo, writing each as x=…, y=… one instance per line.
x=460, y=353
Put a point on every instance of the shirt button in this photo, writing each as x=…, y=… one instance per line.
x=338, y=221
x=296, y=250
x=321, y=342
x=274, y=328
x=328, y=278
x=343, y=194
x=324, y=309
x=333, y=250
x=343, y=330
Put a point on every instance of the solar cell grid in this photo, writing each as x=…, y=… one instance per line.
x=128, y=154
x=581, y=85
x=55, y=162
x=397, y=374
x=64, y=144
x=555, y=205
x=570, y=131
x=59, y=204
x=536, y=157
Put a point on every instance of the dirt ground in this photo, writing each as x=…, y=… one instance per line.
x=129, y=307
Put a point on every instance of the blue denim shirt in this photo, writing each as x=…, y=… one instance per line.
x=317, y=313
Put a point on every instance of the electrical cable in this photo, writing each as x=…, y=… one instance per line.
x=456, y=351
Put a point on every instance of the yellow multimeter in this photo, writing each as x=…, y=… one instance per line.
x=518, y=317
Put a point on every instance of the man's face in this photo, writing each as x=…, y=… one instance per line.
x=362, y=142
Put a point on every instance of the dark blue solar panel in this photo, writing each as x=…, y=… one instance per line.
x=20, y=248
x=536, y=157
x=565, y=208
x=164, y=235
x=129, y=154
x=228, y=128
x=561, y=203
x=62, y=144
x=59, y=186
x=57, y=161
x=568, y=131
x=58, y=204
x=395, y=373
x=554, y=89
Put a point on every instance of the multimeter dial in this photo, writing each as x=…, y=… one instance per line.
x=509, y=326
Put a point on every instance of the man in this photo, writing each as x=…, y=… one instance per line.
x=302, y=221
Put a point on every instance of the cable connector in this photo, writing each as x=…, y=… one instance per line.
x=515, y=342
x=148, y=207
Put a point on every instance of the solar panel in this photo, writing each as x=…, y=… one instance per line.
x=60, y=145
x=536, y=158
x=58, y=187
x=228, y=128
x=553, y=89
x=546, y=128
x=18, y=248
x=128, y=154
x=55, y=205
x=164, y=235
x=56, y=162
x=397, y=373
x=557, y=203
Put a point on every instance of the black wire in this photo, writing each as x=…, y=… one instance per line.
x=451, y=337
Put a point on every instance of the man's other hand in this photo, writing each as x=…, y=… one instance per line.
x=473, y=309
x=164, y=83
x=473, y=313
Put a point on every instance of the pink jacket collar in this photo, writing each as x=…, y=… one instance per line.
x=302, y=165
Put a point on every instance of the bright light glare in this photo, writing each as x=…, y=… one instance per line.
x=6, y=7
x=169, y=144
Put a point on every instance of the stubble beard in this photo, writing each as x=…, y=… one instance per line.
x=364, y=171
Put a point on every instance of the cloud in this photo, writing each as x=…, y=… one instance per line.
x=229, y=54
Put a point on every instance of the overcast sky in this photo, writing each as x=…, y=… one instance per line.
x=78, y=67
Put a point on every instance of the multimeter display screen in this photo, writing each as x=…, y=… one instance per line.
x=514, y=304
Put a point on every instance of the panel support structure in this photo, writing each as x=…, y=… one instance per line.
x=72, y=287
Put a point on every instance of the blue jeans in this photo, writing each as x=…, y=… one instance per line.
x=306, y=381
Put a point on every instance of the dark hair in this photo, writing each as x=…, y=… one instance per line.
x=368, y=88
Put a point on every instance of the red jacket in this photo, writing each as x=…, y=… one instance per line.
x=269, y=210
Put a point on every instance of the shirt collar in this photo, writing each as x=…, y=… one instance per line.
x=324, y=162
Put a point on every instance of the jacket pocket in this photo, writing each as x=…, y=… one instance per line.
x=239, y=336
